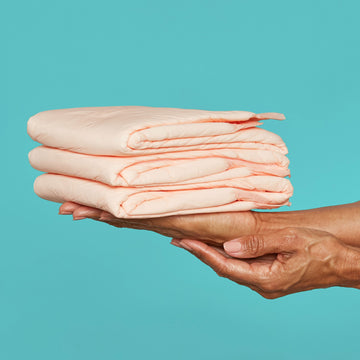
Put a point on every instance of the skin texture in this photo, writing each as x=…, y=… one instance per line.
x=213, y=228
x=303, y=259
x=343, y=221
x=282, y=252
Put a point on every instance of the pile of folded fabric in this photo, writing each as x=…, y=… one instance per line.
x=139, y=162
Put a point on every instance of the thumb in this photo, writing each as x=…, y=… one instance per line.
x=260, y=244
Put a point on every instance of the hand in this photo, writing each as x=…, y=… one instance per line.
x=214, y=228
x=297, y=259
x=343, y=221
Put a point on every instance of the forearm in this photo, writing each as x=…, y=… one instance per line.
x=348, y=266
x=343, y=221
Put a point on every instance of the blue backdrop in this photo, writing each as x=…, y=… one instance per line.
x=84, y=290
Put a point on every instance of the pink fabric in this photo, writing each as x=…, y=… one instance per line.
x=138, y=162
x=161, y=169
x=140, y=130
x=257, y=192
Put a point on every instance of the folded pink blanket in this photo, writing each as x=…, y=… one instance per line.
x=136, y=130
x=242, y=194
x=161, y=169
x=137, y=161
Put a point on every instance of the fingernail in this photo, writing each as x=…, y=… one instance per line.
x=185, y=246
x=79, y=217
x=62, y=212
x=232, y=246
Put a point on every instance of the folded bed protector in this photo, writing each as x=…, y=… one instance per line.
x=140, y=130
x=161, y=169
x=254, y=192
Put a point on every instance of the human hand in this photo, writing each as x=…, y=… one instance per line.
x=214, y=228
x=296, y=259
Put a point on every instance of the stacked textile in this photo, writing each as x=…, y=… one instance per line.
x=137, y=161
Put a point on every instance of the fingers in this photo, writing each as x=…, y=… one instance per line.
x=236, y=270
x=82, y=212
x=285, y=240
x=262, y=278
x=220, y=250
x=163, y=226
x=67, y=208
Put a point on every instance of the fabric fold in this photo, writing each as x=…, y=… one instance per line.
x=257, y=192
x=139, y=130
x=139, y=162
x=161, y=169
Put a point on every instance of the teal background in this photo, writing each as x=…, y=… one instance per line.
x=84, y=290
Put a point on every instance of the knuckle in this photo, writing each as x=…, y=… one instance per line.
x=291, y=232
x=292, y=236
x=254, y=244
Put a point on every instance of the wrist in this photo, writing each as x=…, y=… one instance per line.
x=272, y=221
x=343, y=221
